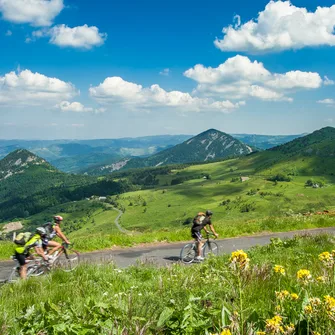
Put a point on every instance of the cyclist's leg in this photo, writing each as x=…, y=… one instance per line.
x=198, y=241
x=21, y=258
x=55, y=246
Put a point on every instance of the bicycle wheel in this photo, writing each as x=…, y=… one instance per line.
x=68, y=260
x=37, y=270
x=211, y=248
x=188, y=253
x=14, y=276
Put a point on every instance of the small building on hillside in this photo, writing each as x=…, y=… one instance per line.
x=102, y=198
x=243, y=179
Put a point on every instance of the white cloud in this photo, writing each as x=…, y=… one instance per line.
x=329, y=120
x=82, y=37
x=66, y=106
x=134, y=96
x=165, y=72
x=35, y=12
x=328, y=81
x=8, y=33
x=327, y=101
x=238, y=77
x=281, y=26
x=28, y=88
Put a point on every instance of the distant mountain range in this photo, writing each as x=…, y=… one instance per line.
x=79, y=155
x=209, y=145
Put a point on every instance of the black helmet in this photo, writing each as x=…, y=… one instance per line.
x=209, y=213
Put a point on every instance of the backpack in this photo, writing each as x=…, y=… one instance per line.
x=199, y=218
x=22, y=238
x=48, y=227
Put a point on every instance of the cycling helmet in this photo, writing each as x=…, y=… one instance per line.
x=41, y=231
x=58, y=218
x=208, y=213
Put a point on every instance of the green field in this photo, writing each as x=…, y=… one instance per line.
x=206, y=298
x=164, y=213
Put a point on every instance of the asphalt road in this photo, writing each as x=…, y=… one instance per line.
x=164, y=254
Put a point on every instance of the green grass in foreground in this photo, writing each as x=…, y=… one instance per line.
x=199, y=299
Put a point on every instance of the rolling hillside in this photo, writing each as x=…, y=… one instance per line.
x=209, y=145
x=29, y=184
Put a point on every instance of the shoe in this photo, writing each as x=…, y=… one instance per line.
x=199, y=258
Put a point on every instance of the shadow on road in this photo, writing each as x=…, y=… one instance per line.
x=172, y=258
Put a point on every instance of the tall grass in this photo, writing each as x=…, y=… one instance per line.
x=198, y=299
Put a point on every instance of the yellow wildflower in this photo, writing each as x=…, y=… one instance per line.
x=321, y=279
x=316, y=333
x=294, y=296
x=239, y=259
x=279, y=269
x=308, y=309
x=282, y=295
x=278, y=308
x=329, y=304
x=327, y=259
x=226, y=332
x=260, y=333
x=289, y=329
x=304, y=276
x=274, y=325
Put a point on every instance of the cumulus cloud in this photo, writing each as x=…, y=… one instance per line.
x=66, y=106
x=238, y=77
x=81, y=37
x=26, y=87
x=134, y=96
x=279, y=27
x=327, y=101
x=38, y=13
x=328, y=81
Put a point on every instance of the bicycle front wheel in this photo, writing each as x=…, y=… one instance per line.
x=68, y=260
x=188, y=253
x=211, y=248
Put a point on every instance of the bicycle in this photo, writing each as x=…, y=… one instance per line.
x=66, y=259
x=189, y=251
x=33, y=269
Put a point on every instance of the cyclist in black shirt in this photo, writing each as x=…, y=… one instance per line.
x=200, y=222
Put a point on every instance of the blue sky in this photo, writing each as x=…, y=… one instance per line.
x=108, y=69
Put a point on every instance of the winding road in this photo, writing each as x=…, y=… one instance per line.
x=168, y=253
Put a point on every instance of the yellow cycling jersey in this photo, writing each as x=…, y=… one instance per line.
x=35, y=241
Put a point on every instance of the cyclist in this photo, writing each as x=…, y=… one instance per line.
x=23, y=252
x=53, y=230
x=200, y=222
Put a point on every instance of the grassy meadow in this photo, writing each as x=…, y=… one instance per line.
x=262, y=292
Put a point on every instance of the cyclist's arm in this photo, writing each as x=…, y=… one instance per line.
x=61, y=235
x=213, y=230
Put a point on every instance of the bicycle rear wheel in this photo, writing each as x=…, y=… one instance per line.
x=68, y=260
x=14, y=275
x=188, y=253
x=211, y=248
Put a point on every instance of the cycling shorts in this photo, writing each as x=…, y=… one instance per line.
x=197, y=236
x=21, y=258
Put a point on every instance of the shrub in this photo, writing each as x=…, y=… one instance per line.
x=280, y=177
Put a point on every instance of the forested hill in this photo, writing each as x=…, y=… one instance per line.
x=207, y=146
x=319, y=143
x=29, y=184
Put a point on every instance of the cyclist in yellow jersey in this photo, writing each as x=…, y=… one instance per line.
x=21, y=253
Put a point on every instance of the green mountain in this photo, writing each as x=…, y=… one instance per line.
x=29, y=184
x=319, y=143
x=207, y=146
